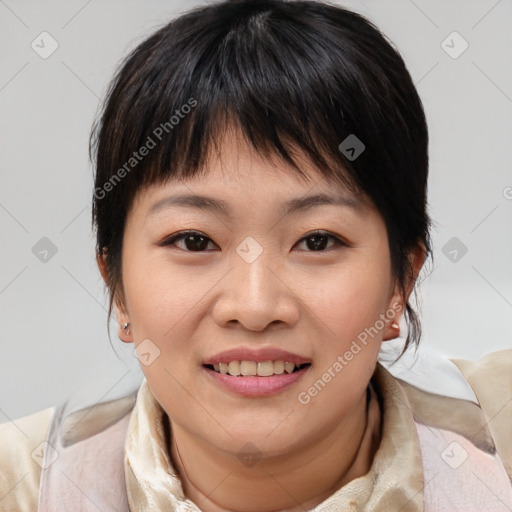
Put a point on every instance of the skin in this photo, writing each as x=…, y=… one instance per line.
x=193, y=305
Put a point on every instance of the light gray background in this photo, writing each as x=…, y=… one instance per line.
x=53, y=336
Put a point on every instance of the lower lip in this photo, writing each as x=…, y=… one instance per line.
x=256, y=386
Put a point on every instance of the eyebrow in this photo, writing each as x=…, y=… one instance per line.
x=219, y=206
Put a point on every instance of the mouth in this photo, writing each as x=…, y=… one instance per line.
x=256, y=379
x=256, y=368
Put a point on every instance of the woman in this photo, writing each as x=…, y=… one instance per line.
x=261, y=215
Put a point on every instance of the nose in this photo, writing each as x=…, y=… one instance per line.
x=256, y=295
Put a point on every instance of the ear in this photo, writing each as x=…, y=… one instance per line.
x=120, y=313
x=417, y=257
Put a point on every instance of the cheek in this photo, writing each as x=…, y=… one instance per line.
x=159, y=298
x=163, y=305
x=350, y=298
x=349, y=306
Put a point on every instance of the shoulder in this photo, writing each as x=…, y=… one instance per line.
x=485, y=421
x=491, y=370
x=467, y=445
x=434, y=389
x=491, y=380
x=21, y=450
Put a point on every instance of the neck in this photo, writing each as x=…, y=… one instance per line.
x=293, y=482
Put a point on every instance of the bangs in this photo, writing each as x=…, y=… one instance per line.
x=280, y=91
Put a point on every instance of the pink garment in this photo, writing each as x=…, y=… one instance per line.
x=452, y=463
x=95, y=464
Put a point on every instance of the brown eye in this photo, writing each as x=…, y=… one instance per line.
x=193, y=241
x=318, y=241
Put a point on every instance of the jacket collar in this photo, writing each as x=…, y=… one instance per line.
x=395, y=480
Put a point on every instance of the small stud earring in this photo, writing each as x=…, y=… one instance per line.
x=125, y=326
x=395, y=326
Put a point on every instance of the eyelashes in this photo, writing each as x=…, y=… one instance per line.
x=199, y=241
x=186, y=235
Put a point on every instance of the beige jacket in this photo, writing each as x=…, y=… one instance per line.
x=436, y=454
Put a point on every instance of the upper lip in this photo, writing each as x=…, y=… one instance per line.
x=258, y=355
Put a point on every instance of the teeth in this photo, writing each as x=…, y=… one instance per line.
x=247, y=367
x=252, y=368
x=278, y=367
x=289, y=367
x=234, y=368
x=265, y=369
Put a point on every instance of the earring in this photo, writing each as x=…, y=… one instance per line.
x=125, y=326
x=396, y=326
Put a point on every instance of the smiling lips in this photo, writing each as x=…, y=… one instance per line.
x=257, y=368
x=262, y=362
x=256, y=373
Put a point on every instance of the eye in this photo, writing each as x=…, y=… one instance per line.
x=194, y=241
x=318, y=240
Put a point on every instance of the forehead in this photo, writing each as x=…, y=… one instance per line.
x=235, y=172
x=225, y=194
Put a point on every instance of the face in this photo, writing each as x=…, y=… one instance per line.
x=267, y=278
